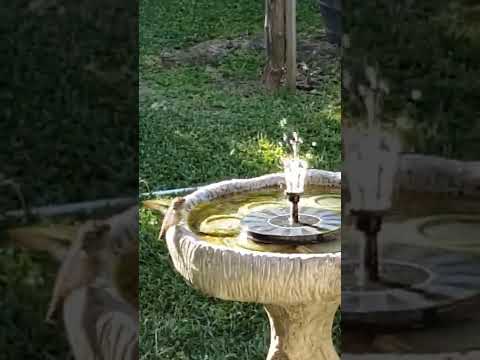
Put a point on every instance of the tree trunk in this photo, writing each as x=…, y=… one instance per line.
x=275, y=43
x=291, y=45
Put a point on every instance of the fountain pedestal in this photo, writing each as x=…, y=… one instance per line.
x=370, y=224
x=301, y=331
x=294, y=214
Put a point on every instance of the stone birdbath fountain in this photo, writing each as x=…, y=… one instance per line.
x=405, y=269
x=247, y=240
x=427, y=287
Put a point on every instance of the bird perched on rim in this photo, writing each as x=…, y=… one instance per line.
x=173, y=215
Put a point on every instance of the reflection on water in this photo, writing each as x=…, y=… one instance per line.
x=218, y=221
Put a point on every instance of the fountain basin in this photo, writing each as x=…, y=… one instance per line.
x=442, y=268
x=300, y=291
x=446, y=245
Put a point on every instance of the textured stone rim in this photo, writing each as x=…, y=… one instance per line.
x=420, y=172
x=244, y=275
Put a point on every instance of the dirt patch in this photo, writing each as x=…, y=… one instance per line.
x=209, y=52
x=316, y=56
x=214, y=51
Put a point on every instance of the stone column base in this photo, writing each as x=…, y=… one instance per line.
x=302, y=332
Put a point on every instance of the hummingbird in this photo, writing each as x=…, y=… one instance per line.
x=172, y=216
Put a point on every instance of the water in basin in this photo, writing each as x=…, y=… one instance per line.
x=218, y=221
x=430, y=245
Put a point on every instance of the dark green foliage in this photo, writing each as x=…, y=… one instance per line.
x=425, y=46
x=26, y=281
x=68, y=132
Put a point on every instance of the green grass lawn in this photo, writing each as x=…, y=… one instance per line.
x=201, y=124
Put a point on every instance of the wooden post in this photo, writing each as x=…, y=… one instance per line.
x=291, y=39
x=275, y=43
x=266, y=31
x=280, y=44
